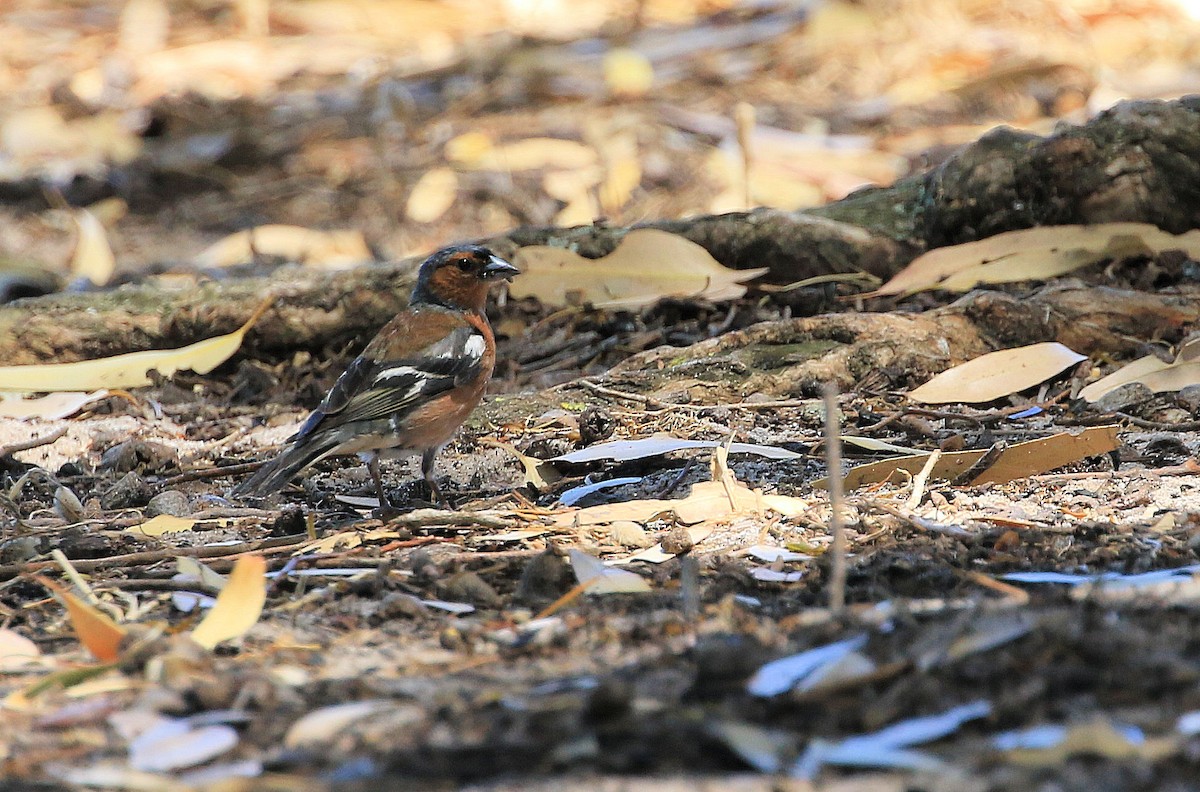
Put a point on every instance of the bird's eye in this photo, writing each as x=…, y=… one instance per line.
x=464, y=264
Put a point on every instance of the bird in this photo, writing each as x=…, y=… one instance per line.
x=413, y=385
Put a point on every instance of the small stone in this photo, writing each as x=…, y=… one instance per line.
x=398, y=605
x=128, y=493
x=1128, y=394
x=291, y=521
x=469, y=587
x=141, y=456
x=628, y=534
x=67, y=504
x=546, y=577
x=1189, y=399
x=20, y=549
x=676, y=541
x=170, y=502
x=595, y=425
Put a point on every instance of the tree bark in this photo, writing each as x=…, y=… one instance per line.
x=1139, y=161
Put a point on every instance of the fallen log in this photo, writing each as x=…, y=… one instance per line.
x=1139, y=161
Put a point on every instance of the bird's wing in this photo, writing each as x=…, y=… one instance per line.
x=419, y=354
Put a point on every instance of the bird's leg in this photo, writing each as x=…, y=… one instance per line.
x=427, y=471
x=373, y=467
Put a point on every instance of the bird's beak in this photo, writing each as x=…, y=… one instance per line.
x=498, y=268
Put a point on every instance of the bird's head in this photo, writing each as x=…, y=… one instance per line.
x=459, y=277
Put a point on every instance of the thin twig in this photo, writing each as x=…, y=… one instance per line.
x=212, y=472
x=280, y=544
x=918, y=522
x=1190, y=467
x=833, y=461
x=919, y=481
x=1018, y=596
x=425, y=518
x=157, y=584
x=9, y=450
x=659, y=404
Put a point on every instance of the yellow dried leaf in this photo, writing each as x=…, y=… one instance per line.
x=997, y=374
x=570, y=185
x=432, y=195
x=164, y=524
x=238, y=605
x=539, y=473
x=628, y=73
x=1033, y=254
x=468, y=148
x=109, y=211
x=129, y=370
x=579, y=211
x=327, y=249
x=621, y=179
x=342, y=540
x=522, y=155
x=95, y=630
x=647, y=266
x=143, y=27
x=93, y=258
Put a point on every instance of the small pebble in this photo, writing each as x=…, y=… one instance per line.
x=546, y=577
x=170, y=502
x=128, y=493
x=676, y=541
x=469, y=587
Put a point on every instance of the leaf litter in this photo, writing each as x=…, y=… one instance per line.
x=487, y=688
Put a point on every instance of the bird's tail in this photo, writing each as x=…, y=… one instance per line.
x=278, y=472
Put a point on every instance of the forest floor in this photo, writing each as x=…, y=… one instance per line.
x=462, y=650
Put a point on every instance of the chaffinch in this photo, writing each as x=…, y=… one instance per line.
x=414, y=384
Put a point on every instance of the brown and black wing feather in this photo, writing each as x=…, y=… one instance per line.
x=420, y=354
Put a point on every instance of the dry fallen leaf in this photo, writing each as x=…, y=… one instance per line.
x=17, y=652
x=49, y=407
x=238, y=606
x=1030, y=458
x=96, y=631
x=432, y=195
x=161, y=524
x=1034, y=457
x=601, y=579
x=648, y=265
x=339, y=249
x=93, y=257
x=997, y=374
x=129, y=370
x=1033, y=254
x=709, y=501
x=475, y=151
x=949, y=467
x=175, y=744
x=539, y=473
x=1156, y=375
x=627, y=73
x=325, y=724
